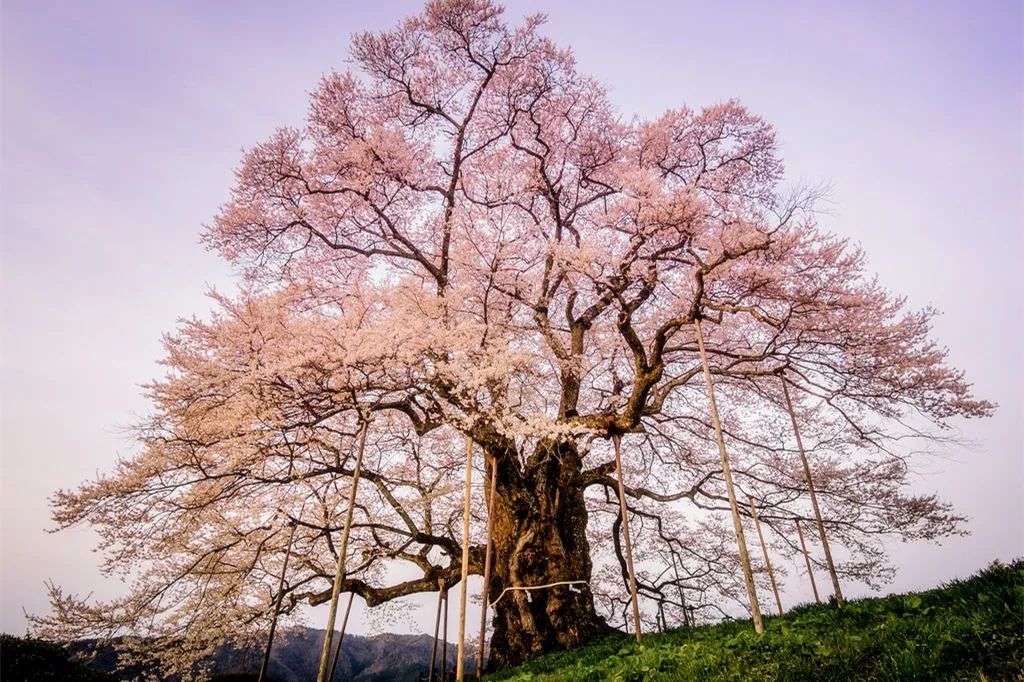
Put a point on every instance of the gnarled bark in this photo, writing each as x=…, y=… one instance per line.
x=540, y=523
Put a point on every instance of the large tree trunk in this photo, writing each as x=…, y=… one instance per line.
x=540, y=523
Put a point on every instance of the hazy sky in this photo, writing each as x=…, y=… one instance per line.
x=122, y=123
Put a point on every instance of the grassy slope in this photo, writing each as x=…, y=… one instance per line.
x=967, y=630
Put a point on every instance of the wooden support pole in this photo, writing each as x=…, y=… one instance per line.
x=741, y=540
x=339, y=574
x=616, y=440
x=813, y=494
x=437, y=626
x=444, y=639
x=764, y=551
x=463, y=586
x=487, y=565
x=807, y=560
x=341, y=635
x=277, y=604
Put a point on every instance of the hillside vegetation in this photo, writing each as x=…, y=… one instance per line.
x=31, y=660
x=966, y=630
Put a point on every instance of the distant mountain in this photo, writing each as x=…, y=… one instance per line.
x=296, y=657
x=381, y=658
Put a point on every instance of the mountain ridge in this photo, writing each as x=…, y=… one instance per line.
x=295, y=657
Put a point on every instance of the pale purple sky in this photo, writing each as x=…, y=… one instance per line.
x=122, y=122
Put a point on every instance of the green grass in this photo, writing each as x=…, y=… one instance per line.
x=966, y=630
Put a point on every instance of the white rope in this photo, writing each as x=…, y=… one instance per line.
x=539, y=587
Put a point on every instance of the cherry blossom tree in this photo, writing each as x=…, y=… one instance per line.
x=466, y=239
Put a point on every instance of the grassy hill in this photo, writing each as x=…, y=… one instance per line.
x=966, y=630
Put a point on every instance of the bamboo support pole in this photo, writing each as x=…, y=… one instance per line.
x=437, y=626
x=616, y=440
x=341, y=635
x=487, y=566
x=764, y=551
x=814, y=497
x=741, y=540
x=339, y=574
x=277, y=604
x=463, y=586
x=807, y=560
